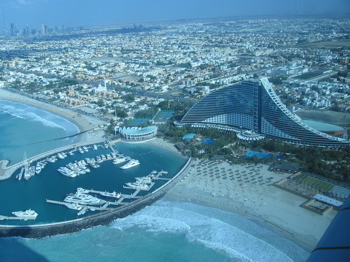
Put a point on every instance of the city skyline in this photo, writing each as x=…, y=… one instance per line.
x=34, y=13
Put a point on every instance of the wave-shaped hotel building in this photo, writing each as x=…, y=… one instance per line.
x=253, y=109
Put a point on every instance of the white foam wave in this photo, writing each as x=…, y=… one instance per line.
x=38, y=115
x=203, y=224
x=152, y=224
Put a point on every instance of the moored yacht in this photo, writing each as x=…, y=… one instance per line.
x=39, y=166
x=131, y=163
x=137, y=185
x=83, y=199
x=109, y=194
x=119, y=160
x=26, y=214
x=74, y=206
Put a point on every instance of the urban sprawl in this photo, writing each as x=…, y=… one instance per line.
x=99, y=69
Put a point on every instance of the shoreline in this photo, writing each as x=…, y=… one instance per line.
x=83, y=122
x=245, y=190
x=276, y=208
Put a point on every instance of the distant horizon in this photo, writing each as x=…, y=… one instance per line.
x=344, y=15
x=79, y=13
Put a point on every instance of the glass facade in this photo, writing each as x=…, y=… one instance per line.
x=253, y=105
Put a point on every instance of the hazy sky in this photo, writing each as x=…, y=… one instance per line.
x=109, y=12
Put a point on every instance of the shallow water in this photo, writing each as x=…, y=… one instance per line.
x=31, y=130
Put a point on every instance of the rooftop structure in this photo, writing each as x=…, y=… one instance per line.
x=253, y=105
x=137, y=133
x=329, y=129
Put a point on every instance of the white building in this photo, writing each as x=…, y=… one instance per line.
x=138, y=133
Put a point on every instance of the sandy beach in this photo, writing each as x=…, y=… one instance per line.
x=83, y=122
x=247, y=190
x=242, y=189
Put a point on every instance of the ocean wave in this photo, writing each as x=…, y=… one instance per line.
x=237, y=237
x=42, y=116
x=152, y=224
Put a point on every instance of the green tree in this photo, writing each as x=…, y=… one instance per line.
x=129, y=98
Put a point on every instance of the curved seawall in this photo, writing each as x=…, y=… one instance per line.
x=38, y=231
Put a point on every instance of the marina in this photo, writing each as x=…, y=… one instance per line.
x=82, y=201
x=105, y=190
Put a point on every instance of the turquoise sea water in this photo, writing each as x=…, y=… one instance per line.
x=168, y=230
x=30, y=130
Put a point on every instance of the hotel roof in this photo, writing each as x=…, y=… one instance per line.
x=320, y=126
x=138, y=130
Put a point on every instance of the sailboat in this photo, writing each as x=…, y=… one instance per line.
x=19, y=176
x=29, y=171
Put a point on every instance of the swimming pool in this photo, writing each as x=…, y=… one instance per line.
x=260, y=155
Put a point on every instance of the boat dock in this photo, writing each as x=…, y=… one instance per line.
x=102, y=193
x=7, y=171
x=161, y=178
x=85, y=207
x=111, y=147
x=138, y=189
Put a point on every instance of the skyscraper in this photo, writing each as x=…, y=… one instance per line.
x=13, y=30
x=43, y=29
x=253, y=105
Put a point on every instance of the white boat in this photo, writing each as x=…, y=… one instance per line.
x=94, y=165
x=26, y=214
x=109, y=194
x=137, y=185
x=20, y=174
x=119, y=160
x=74, y=206
x=83, y=199
x=131, y=163
x=60, y=155
x=81, y=190
x=39, y=166
x=67, y=172
x=29, y=172
x=95, y=147
x=145, y=179
x=51, y=159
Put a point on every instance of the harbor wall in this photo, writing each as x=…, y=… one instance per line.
x=103, y=218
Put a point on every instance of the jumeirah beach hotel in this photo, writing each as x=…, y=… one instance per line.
x=253, y=110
